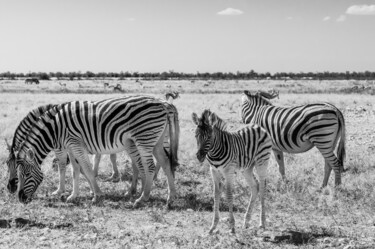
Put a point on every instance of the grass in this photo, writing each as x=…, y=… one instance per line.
x=298, y=212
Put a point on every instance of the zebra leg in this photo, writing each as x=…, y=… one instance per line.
x=96, y=164
x=254, y=187
x=327, y=173
x=75, y=173
x=279, y=155
x=62, y=158
x=133, y=188
x=262, y=172
x=86, y=168
x=332, y=161
x=115, y=177
x=149, y=168
x=215, y=174
x=136, y=166
x=163, y=161
x=229, y=175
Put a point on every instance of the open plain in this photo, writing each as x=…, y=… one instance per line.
x=299, y=213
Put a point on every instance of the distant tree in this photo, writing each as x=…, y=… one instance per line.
x=89, y=74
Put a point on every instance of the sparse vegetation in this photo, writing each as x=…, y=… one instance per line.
x=299, y=213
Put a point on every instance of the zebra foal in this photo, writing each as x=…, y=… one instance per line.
x=298, y=129
x=247, y=150
x=102, y=127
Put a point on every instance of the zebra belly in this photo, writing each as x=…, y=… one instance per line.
x=300, y=147
x=119, y=145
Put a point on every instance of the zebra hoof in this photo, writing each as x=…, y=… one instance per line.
x=71, y=199
x=57, y=193
x=137, y=203
x=130, y=194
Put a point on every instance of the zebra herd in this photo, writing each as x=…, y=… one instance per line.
x=147, y=128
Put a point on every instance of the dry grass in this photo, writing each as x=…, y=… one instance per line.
x=319, y=219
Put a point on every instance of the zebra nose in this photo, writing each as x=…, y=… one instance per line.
x=12, y=186
x=200, y=156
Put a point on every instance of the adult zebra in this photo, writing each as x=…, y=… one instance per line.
x=247, y=149
x=31, y=81
x=102, y=127
x=19, y=137
x=298, y=129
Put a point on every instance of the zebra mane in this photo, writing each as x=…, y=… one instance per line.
x=40, y=122
x=220, y=124
x=31, y=117
x=264, y=97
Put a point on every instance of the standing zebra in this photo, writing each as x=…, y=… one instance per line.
x=20, y=135
x=245, y=150
x=298, y=129
x=102, y=127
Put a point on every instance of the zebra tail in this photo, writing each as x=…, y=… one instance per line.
x=174, y=135
x=341, y=146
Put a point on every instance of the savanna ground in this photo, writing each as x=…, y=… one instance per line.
x=299, y=213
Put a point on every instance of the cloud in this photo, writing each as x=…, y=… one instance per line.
x=341, y=18
x=230, y=12
x=131, y=19
x=289, y=18
x=327, y=18
x=361, y=10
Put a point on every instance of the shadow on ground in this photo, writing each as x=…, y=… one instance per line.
x=21, y=223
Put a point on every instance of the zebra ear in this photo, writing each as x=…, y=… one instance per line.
x=195, y=118
x=30, y=155
x=9, y=147
x=212, y=119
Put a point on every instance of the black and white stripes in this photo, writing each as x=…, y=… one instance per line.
x=247, y=149
x=298, y=129
x=104, y=127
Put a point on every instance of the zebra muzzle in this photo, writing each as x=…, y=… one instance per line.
x=201, y=156
x=12, y=186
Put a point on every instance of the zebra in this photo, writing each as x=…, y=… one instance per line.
x=20, y=134
x=298, y=129
x=102, y=127
x=171, y=95
x=246, y=149
x=31, y=81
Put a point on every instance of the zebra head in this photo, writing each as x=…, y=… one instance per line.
x=29, y=175
x=11, y=163
x=204, y=132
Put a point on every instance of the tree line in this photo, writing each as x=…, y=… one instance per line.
x=171, y=75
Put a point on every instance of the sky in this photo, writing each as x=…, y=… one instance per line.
x=187, y=35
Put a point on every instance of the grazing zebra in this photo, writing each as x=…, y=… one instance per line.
x=103, y=127
x=298, y=129
x=170, y=96
x=245, y=150
x=31, y=81
x=20, y=135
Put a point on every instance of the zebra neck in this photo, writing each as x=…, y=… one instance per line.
x=255, y=113
x=42, y=139
x=221, y=145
